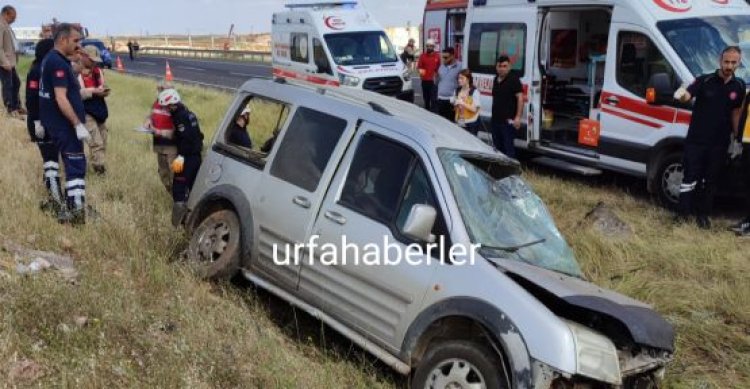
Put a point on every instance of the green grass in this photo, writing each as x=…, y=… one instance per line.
x=154, y=325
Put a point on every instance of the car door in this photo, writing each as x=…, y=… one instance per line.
x=352, y=275
x=291, y=190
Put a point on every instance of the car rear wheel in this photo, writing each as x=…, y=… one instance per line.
x=460, y=364
x=214, y=249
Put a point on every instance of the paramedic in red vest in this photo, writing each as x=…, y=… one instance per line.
x=94, y=92
x=716, y=115
x=160, y=123
x=62, y=116
x=743, y=227
x=428, y=65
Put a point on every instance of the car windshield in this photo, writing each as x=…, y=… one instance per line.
x=504, y=215
x=699, y=41
x=360, y=48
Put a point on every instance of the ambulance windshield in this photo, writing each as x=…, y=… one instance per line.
x=699, y=41
x=360, y=48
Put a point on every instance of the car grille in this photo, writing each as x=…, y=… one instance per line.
x=390, y=86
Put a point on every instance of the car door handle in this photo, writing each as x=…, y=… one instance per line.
x=301, y=201
x=612, y=100
x=335, y=217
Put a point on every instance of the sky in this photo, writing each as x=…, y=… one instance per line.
x=139, y=17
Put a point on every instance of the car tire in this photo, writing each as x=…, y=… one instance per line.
x=462, y=364
x=668, y=177
x=215, y=246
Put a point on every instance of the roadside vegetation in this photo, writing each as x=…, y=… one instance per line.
x=134, y=317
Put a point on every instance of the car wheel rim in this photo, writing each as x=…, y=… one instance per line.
x=455, y=374
x=671, y=181
x=213, y=242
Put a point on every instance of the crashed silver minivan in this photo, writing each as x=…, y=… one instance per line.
x=414, y=239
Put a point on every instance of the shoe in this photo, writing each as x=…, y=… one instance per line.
x=74, y=217
x=703, y=222
x=22, y=111
x=680, y=219
x=100, y=170
x=179, y=209
x=741, y=226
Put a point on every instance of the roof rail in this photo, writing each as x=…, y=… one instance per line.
x=378, y=108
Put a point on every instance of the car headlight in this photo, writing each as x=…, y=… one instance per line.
x=596, y=355
x=348, y=80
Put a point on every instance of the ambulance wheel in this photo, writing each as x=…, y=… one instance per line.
x=669, y=172
x=214, y=249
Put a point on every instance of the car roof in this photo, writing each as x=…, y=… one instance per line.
x=427, y=129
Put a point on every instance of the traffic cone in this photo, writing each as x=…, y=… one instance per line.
x=120, y=68
x=168, y=73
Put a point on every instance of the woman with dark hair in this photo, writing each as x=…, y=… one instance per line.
x=50, y=156
x=466, y=102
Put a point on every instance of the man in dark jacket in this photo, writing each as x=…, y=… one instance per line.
x=62, y=115
x=189, y=140
x=743, y=227
x=47, y=148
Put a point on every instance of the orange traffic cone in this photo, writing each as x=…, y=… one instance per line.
x=168, y=73
x=120, y=68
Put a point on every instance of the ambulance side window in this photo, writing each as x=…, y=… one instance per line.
x=320, y=58
x=299, y=47
x=638, y=59
x=487, y=41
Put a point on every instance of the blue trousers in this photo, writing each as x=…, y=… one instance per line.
x=503, y=134
x=183, y=182
x=74, y=162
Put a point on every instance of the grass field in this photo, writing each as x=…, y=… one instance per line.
x=151, y=324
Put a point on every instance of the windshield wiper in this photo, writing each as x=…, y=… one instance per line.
x=513, y=249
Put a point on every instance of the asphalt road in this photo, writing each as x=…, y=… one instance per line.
x=212, y=73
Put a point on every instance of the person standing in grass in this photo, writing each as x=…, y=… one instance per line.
x=161, y=125
x=8, y=61
x=62, y=114
x=466, y=103
x=716, y=115
x=189, y=140
x=94, y=92
x=50, y=154
x=743, y=227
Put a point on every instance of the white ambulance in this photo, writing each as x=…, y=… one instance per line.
x=598, y=77
x=337, y=43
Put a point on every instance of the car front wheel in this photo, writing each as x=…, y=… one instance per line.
x=459, y=364
x=214, y=249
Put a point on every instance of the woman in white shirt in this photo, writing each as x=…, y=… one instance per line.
x=466, y=101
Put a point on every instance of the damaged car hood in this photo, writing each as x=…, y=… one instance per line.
x=645, y=325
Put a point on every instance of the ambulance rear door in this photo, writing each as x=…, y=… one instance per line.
x=503, y=30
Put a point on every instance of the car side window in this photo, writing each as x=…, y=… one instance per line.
x=386, y=189
x=376, y=178
x=299, y=47
x=306, y=148
x=637, y=60
x=252, y=132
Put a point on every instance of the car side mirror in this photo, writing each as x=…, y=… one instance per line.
x=659, y=90
x=419, y=223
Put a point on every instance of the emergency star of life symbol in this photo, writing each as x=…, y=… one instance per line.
x=675, y=5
